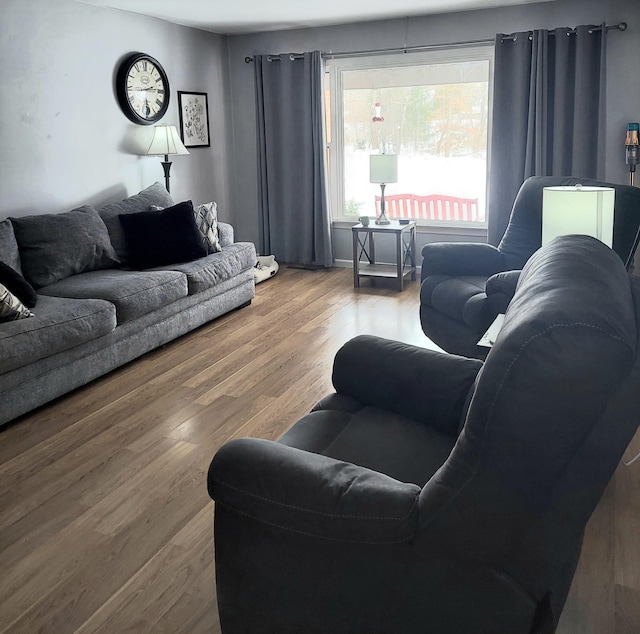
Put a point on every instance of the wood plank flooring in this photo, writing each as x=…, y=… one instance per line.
x=105, y=521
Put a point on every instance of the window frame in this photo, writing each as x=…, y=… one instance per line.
x=336, y=66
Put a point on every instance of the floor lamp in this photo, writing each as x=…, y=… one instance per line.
x=166, y=141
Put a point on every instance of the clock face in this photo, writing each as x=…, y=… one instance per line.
x=143, y=89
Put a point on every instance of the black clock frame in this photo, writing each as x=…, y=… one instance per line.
x=121, y=89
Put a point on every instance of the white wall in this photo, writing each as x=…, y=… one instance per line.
x=64, y=140
x=622, y=72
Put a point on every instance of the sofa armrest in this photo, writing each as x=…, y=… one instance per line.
x=461, y=258
x=225, y=234
x=500, y=289
x=312, y=494
x=421, y=384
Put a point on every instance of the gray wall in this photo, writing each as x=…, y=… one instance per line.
x=63, y=138
x=624, y=88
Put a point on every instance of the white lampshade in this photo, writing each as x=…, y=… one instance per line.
x=578, y=210
x=383, y=168
x=166, y=140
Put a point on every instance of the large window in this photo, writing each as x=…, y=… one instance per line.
x=429, y=108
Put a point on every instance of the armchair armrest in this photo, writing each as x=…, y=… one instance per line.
x=461, y=258
x=500, y=289
x=415, y=382
x=312, y=494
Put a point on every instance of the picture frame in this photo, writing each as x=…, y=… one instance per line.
x=193, y=108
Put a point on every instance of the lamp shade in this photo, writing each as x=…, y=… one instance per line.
x=578, y=210
x=166, y=140
x=383, y=168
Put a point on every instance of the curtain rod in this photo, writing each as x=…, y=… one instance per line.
x=621, y=26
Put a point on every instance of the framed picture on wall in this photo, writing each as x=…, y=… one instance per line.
x=194, y=119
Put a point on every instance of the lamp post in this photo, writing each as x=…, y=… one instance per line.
x=166, y=141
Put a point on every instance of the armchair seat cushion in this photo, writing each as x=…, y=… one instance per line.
x=362, y=437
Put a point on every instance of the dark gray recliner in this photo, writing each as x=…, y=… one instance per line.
x=465, y=285
x=436, y=493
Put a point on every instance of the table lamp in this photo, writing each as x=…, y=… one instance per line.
x=165, y=141
x=578, y=210
x=383, y=169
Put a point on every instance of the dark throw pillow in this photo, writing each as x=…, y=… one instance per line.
x=157, y=238
x=18, y=285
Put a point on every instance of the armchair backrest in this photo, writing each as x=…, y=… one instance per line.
x=523, y=235
x=555, y=405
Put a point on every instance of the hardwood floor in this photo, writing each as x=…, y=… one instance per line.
x=105, y=521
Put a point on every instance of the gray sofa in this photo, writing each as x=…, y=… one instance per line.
x=96, y=313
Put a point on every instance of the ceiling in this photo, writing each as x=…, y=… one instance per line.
x=250, y=16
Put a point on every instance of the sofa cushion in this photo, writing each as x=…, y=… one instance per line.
x=58, y=325
x=213, y=269
x=54, y=246
x=11, y=308
x=9, y=252
x=18, y=285
x=155, y=238
x=134, y=293
x=155, y=194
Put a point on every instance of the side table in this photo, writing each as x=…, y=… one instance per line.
x=364, y=244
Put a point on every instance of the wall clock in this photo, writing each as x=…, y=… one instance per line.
x=142, y=88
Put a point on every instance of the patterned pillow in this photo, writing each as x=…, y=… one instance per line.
x=207, y=221
x=11, y=308
x=206, y=217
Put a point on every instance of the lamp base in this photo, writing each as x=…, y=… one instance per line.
x=382, y=219
x=166, y=166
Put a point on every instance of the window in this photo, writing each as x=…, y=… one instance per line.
x=429, y=108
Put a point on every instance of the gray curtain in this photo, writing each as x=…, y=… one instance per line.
x=292, y=177
x=548, y=112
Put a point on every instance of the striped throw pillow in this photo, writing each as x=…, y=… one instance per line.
x=11, y=308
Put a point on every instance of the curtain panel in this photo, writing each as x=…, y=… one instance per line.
x=548, y=112
x=295, y=224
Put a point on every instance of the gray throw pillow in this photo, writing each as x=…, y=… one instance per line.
x=155, y=194
x=55, y=246
x=9, y=253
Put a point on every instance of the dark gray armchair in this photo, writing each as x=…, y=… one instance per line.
x=436, y=493
x=465, y=285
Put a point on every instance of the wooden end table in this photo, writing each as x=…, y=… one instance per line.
x=364, y=244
